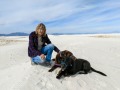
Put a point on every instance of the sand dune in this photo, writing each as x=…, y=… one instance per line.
x=17, y=73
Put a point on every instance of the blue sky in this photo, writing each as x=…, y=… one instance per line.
x=60, y=16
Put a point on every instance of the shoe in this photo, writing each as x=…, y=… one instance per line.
x=47, y=63
x=33, y=63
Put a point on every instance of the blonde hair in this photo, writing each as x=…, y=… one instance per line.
x=41, y=26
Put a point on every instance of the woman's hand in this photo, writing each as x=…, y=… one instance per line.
x=42, y=56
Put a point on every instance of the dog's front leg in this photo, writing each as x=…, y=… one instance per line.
x=60, y=74
x=53, y=68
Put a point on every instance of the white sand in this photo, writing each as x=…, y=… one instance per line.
x=103, y=52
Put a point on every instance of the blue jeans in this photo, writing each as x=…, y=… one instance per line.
x=47, y=50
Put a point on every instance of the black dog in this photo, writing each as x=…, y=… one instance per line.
x=70, y=65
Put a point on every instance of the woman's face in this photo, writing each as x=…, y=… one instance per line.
x=40, y=32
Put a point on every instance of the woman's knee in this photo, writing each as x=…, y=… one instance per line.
x=51, y=46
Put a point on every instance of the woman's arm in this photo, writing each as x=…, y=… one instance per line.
x=48, y=42
x=33, y=52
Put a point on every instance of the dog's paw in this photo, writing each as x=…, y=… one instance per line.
x=58, y=77
x=50, y=70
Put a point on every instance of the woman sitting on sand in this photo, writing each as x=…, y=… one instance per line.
x=40, y=45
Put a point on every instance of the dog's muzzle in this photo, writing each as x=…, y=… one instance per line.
x=63, y=66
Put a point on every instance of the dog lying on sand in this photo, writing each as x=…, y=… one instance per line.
x=70, y=65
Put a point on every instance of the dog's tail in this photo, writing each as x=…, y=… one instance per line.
x=98, y=72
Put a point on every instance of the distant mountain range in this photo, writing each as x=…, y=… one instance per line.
x=15, y=34
x=26, y=34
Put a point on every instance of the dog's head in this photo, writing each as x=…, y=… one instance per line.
x=65, y=54
x=62, y=56
x=65, y=58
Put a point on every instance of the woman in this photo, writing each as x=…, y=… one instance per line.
x=40, y=46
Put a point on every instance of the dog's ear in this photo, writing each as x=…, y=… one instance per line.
x=57, y=59
x=62, y=54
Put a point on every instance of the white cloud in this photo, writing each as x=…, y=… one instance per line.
x=74, y=13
